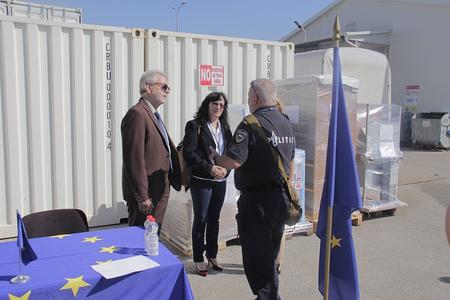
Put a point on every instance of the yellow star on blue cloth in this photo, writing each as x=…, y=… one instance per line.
x=23, y=297
x=98, y=262
x=75, y=284
x=59, y=236
x=335, y=242
x=109, y=249
x=91, y=239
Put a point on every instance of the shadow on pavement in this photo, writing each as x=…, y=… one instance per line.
x=231, y=269
x=445, y=279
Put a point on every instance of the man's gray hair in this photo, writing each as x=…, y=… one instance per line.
x=151, y=76
x=266, y=90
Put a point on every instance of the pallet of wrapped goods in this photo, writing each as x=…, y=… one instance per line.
x=177, y=225
x=308, y=104
x=378, y=157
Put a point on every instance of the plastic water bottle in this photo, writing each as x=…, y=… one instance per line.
x=151, y=236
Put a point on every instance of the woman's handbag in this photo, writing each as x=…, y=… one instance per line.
x=186, y=170
x=295, y=211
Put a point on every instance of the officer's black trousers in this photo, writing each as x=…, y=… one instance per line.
x=261, y=216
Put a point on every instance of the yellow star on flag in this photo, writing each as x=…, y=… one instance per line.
x=335, y=242
x=75, y=284
x=98, y=262
x=59, y=236
x=109, y=249
x=23, y=297
x=91, y=240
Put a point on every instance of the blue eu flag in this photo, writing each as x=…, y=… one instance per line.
x=26, y=252
x=341, y=193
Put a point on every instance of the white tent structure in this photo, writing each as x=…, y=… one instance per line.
x=371, y=68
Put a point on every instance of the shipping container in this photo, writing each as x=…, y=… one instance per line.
x=40, y=11
x=64, y=89
x=183, y=55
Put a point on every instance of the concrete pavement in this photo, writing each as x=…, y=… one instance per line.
x=401, y=257
x=405, y=256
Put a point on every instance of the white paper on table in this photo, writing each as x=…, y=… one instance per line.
x=124, y=266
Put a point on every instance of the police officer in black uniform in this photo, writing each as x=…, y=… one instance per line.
x=263, y=204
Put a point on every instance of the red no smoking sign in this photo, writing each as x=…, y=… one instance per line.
x=211, y=75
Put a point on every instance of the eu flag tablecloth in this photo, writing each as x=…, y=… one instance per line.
x=63, y=269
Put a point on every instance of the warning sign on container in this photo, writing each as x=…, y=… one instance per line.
x=211, y=75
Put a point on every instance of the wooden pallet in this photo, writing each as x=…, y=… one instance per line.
x=298, y=229
x=378, y=214
x=187, y=251
x=357, y=218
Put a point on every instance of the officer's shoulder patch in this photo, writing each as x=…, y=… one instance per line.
x=240, y=135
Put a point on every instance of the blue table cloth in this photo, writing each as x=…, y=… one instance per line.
x=63, y=268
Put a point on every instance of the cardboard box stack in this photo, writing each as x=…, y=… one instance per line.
x=177, y=225
x=308, y=104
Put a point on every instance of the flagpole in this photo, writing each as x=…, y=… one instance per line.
x=336, y=38
x=328, y=252
x=20, y=262
x=20, y=278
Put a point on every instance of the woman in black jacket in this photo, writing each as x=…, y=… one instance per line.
x=208, y=183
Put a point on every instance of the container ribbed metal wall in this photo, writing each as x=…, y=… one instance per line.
x=64, y=89
x=180, y=54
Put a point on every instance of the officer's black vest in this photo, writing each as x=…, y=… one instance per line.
x=260, y=170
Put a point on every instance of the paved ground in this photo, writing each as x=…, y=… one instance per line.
x=405, y=256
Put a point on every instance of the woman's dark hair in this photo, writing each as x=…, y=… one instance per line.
x=203, y=111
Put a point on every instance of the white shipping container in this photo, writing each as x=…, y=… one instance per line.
x=64, y=89
x=179, y=55
x=40, y=11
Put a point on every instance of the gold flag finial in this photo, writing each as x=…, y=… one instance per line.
x=336, y=29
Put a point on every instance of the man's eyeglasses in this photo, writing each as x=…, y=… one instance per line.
x=221, y=105
x=163, y=86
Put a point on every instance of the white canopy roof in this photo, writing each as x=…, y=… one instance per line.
x=369, y=67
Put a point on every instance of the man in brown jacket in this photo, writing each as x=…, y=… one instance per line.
x=150, y=159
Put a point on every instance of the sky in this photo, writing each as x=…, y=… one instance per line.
x=252, y=19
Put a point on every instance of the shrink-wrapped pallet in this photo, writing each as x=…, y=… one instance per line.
x=307, y=102
x=378, y=155
x=177, y=225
